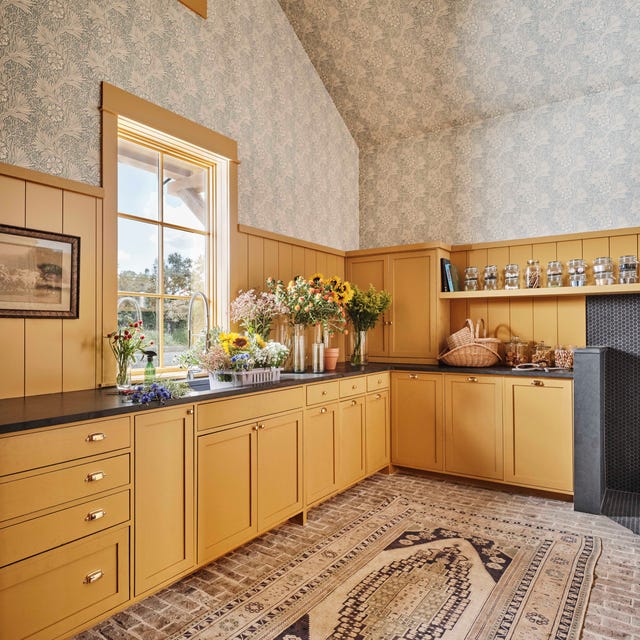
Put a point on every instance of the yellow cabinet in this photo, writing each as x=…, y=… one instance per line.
x=377, y=436
x=249, y=480
x=473, y=425
x=416, y=420
x=164, y=516
x=538, y=432
x=351, y=442
x=320, y=452
x=409, y=330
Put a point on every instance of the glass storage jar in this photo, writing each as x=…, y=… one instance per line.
x=603, y=270
x=542, y=354
x=627, y=270
x=471, y=279
x=491, y=277
x=578, y=279
x=564, y=357
x=532, y=276
x=554, y=273
x=516, y=352
x=577, y=266
x=512, y=276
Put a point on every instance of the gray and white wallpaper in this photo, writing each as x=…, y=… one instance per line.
x=241, y=72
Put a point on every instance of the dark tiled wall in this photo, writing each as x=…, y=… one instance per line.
x=614, y=321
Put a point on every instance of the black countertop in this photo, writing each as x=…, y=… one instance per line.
x=31, y=412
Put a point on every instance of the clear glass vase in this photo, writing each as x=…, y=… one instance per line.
x=317, y=349
x=299, y=348
x=123, y=376
x=358, y=348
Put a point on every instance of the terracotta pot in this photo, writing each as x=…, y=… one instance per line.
x=331, y=358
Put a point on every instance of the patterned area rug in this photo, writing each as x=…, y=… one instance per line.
x=410, y=571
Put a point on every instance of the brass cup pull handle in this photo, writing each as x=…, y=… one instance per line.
x=256, y=427
x=413, y=376
x=189, y=412
x=323, y=410
x=537, y=383
x=95, y=437
x=94, y=477
x=261, y=425
x=92, y=577
x=472, y=379
x=95, y=515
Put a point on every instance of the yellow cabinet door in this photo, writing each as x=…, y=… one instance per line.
x=538, y=432
x=412, y=318
x=473, y=426
x=351, y=442
x=376, y=437
x=371, y=270
x=227, y=486
x=279, y=469
x=320, y=452
x=416, y=420
x=163, y=489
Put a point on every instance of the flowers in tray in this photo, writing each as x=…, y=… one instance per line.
x=125, y=344
x=255, y=311
x=161, y=392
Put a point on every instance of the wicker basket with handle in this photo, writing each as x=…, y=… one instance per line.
x=492, y=343
x=478, y=352
x=465, y=335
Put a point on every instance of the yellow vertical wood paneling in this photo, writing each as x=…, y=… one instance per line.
x=297, y=260
x=477, y=309
x=545, y=311
x=239, y=278
x=572, y=329
x=78, y=335
x=544, y=252
x=285, y=269
x=255, y=262
x=309, y=263
x=43, y=338
x=459, y=309
x=98, y=247
x=321, y=264
x=594, y=248
x=12, y=211
x=521, y=311
x=270, y=261
x=622, y=246
x=497, y=314
x=568, y=250
x=334, y=266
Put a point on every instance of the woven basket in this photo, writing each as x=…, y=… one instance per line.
x=462, y=336
x=492, y=343
x=470, y=355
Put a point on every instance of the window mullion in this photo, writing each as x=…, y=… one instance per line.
x=161, y=263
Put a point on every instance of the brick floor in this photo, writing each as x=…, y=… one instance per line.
x=614, y=606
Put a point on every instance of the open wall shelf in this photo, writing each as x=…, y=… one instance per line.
x=590, y=290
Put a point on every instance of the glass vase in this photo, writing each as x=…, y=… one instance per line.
x=299, y=348
x=123, y=376
x=317, y=350
x=358, y=348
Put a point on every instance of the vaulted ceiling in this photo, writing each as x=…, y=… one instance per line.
x=400, y=68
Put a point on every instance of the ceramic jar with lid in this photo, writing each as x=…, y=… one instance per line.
x=627, y=270
x=516, y=352
x=471, y=279
x=491, y=277
x=554, y=273
x=532, y=277
x=512, y=276
x=603, y=270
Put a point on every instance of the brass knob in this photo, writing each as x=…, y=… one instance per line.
x=256, y=427
x=189, y=412
x=261, y=425
x=378, y=396
x=94, y=477
x=93, y=577
x=354, y=386
x=353, y=403
x=324, y=393
x=472, y=379
x=95, y=515
x=323, y=410
x=95, y=437
x=537, y=383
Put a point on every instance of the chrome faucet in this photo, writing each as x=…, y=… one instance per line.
x=134, y=302
x=205, y=302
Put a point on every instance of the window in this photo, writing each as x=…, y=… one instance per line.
x=166, y=200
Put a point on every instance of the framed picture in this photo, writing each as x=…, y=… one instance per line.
x=39, y=274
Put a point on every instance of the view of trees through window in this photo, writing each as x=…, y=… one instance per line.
x=163, y=242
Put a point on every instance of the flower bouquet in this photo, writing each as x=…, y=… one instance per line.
x=256, y=311
x=125, y=343
x=363, y=310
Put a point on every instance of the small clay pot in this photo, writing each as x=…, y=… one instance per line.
x=331, y=358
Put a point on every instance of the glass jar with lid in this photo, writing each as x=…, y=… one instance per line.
x=627, y=270
x=578, y=279
x=577, y=266
x=512, y=276
x=542, y=354
x=603, y=270
x=516, y=352
x=471, y=279
x=532, y=277
x=491, y=277
x=554, y=273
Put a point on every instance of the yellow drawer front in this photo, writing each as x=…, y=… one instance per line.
x=50, y=594
x=26, y=495
x=248, y=407
x=378, y=381
x=353, y=386
x=323, y=392
x=39, y=449
x=55, y=529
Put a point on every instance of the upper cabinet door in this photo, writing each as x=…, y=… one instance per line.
x=365, y=271
x=411, y=278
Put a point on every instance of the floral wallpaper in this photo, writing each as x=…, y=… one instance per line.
x=483, y=120
x=566, y=167
x=241, y=72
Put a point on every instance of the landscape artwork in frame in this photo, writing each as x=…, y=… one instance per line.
x=39, y=273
